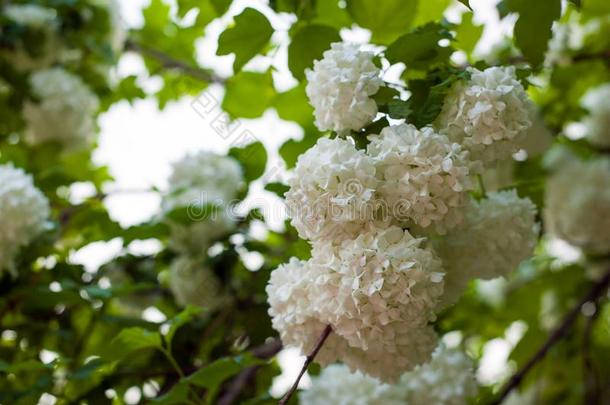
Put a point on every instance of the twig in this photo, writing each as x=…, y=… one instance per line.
x=590, y=378
x=170, y=62
x=596, y=291
x=325, y=333
x=236, y=386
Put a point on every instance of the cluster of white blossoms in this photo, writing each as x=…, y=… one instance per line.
x=340, y=87
x=577, y=204
x=191, y=283
x=24, y=211
x=498, y=233
x=396, y=235
x=488, y=115
x=204, y=185
x=448, y=379
x=423, y=176
x=597, y=102
x=65, y=110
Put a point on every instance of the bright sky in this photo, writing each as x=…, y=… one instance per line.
x=138, y=143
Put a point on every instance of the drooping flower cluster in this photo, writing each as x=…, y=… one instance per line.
x=24, y=211
x=498, y=233
x=447, y=380
x=65, y=112
x=488, y=114
x=577, y=204
x=340, y=86
x=596, y=101
x=201, y=189
x=395, y=234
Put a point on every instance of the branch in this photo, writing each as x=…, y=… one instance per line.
x=172, y=63
x=590, y=379
x=325, y=333
x=596, y=291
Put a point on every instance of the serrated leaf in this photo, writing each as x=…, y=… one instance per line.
x=467, y=34
x=253, y=159
x=419, y=49
x=246, y=38
x=307, y=45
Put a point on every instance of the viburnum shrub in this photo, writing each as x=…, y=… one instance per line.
x=413, y=195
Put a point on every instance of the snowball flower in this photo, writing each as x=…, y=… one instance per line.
x=23, y=213
x=331, y=191
x=204, y=184
x=65, y=112
x=498, y=233
x=337, y=385
x=193, y=284
x=577, y=204
x=487, y=114
x=339, y=88
x=448, y=379
x=30, y=15
x=423, y=176
x=597, y=102
x=377, y=292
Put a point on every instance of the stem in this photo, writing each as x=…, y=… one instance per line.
x=173, y=362
x=596, y=291
x=170, y=62
x=481, y=186
x=590, y=378
x=325, y=333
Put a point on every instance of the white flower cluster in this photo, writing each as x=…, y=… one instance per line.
x=498, y=233
x=377, y=285
x=24, y=211
x=30, y=15
x=378, y=292
x=423, y=175
x=577, y=204
x=447, y=380
x=597, y=102
x=488, y=115
x=331, y=190
x=340, y=86
x=204, y=184
x=65, y=112
x=191, y=283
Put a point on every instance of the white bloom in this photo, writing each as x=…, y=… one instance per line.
x=487, y=114
x=65, y=113
x=497, y=234
x=204, y=184
x=339, y=88
x=448, y=379
x=423, y=176
x=30, y=15
x=597, y=102
x=337, y=385
x=377, y=292
x=332, y=190
x=577, y=204
x=193, y=284
x=23, y=213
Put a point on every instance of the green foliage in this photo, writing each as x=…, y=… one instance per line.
x=249, y=94
x=247, y=38
x=386, y=19
x=307, y=45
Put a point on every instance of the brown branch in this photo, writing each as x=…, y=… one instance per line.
x=169, y=62
x=596, y=291
x=590, y=379
x=325, y=333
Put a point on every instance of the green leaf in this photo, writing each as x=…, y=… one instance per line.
x=386, y=19
x=428, y=11
x=533, y=28
x=278, y=188
x=246, y=38
x=467, y=34
x=307, y=45
x=466, y=3
x=253, y=159
x=419, y=49
x=184, y=317
x=131, y=340
x=178, y=395
x=293, y=105
x=291, y=149
x=399, y=109
x=249, y=94
x=210, y=377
